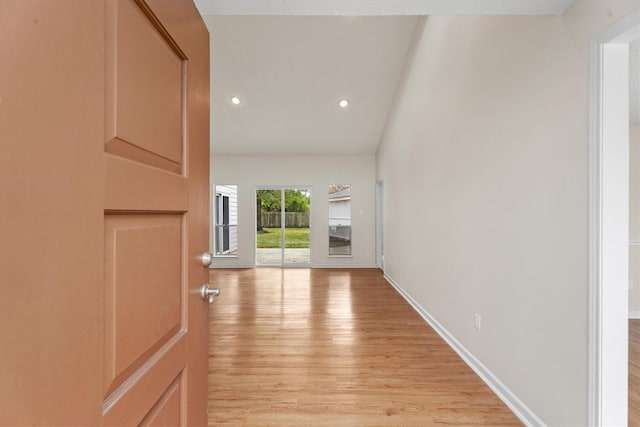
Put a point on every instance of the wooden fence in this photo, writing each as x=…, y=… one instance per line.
x=292, y=219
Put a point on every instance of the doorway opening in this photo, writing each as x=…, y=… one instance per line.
x=609, y=223
x=380, y=225
x=283, y=226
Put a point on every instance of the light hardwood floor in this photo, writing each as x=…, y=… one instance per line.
x=320, y=347
x=634, y=373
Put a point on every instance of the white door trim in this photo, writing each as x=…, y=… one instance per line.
x=379, y=225
x=608, y=222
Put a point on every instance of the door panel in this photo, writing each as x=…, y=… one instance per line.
x=297, y=235
x=147, y=188
x=143, y=283
x=51, y=186
x=131, y=403
x=104, y=123
x=145, y=88
x=182, y=21
x=269, y=239
x=147, y=216
x=166, y=412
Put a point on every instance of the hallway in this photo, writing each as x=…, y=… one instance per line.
x=324, y=347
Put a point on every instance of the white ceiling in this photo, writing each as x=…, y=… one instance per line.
x=291, y=71
x=383, y=7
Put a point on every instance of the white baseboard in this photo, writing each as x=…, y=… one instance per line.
x=526, y=415
x=293, y=266
x=634, y=314
x=231, y=266
x=344, y=266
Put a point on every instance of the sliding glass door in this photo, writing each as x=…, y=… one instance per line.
x=296, y=230
x=283, y=235
x=268, y=233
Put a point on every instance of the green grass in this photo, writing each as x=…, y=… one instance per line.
x=293, y=238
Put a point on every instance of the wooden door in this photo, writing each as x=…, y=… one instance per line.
x=104, y=187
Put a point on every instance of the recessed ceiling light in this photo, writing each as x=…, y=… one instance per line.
x=343, y=103
x=235, y=100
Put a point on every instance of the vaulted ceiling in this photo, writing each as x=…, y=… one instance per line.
x=290, y=73
x=290, y=63
x=382, y=7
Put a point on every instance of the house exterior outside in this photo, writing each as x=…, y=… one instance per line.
x=340, y=215
x=226, y=220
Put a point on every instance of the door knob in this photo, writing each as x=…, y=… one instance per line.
x=206, y=258
x=209, y=294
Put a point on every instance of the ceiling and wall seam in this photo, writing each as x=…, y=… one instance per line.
x=382, y=7
x=406, y=67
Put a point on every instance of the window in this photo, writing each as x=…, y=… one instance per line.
x=226, y=220
x=340, y=219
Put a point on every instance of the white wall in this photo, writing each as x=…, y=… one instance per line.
x=634, y=221
x=317, y=173
x=486, y=150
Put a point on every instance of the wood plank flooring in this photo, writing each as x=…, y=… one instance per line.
x=634, y=373
x=324, y=347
